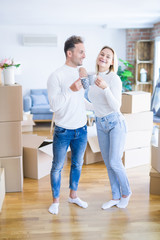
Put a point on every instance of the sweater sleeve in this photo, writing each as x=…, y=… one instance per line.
x=113, y=93
x=57, y=98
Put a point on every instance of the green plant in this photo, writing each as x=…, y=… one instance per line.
x=125, y=75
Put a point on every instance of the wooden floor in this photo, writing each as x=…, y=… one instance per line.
x=25, y=215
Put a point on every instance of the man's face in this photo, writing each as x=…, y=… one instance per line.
x=77, y=54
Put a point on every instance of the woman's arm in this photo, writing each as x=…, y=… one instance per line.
x=113, y=95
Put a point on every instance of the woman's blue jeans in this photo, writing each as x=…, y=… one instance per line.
x=62, y=139
x=111, y=131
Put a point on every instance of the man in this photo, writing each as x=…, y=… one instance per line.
x=66, y=97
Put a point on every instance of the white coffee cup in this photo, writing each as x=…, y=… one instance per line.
x=92, y=77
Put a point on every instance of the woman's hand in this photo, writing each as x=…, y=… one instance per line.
x=101, y=83
x=82, y=72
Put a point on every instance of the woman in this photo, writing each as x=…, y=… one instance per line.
x=105, y=96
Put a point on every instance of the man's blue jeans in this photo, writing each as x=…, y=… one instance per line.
x=111, y=131
x=62, y=139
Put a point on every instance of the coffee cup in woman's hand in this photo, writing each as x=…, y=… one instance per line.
x=92, y=78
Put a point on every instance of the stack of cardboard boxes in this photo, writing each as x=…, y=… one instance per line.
x=11, y=115
x=155, y=170
x=139, y=119
x=37, y=156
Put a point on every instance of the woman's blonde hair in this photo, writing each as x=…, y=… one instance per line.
x=114, y=67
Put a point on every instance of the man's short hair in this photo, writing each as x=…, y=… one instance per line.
x=70, y=43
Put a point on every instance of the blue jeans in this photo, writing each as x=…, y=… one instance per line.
x=62, y=139
x=111, y=131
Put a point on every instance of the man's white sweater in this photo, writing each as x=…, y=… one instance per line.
x=68, y=106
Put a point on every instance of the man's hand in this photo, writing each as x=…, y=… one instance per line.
x=82, y=72
x=76, y=86
x=101, y=83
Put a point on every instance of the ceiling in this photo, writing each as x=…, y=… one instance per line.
x=107, y=13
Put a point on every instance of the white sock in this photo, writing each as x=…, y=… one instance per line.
x=124, y=202
x=53, y=208
x=110, y=204
x=78, y=201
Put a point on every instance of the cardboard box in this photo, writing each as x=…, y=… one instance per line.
x=138, y=139
x=155, y=158
x=37, y=156
x=135, y=101
x=139, y=121
x=2, y=187
x=92, y=153
x=136, y=157
x=27, y=125
x=11, y=104
x=13, y=173
x=154, y=182
x=10, y=139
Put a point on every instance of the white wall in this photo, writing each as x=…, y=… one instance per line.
x=37, y=63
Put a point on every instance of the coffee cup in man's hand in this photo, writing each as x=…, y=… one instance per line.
x=85, y=82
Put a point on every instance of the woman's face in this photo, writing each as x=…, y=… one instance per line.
x=105, y=59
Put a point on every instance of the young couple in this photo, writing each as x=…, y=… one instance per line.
x=66, y=97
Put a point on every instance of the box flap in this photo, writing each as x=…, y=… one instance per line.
x=32, y=140
x=45, y=143
x=46, y=147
